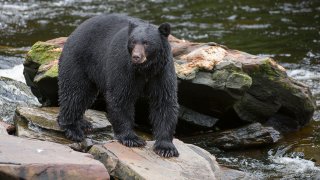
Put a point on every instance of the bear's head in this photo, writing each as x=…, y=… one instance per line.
x=145, y=41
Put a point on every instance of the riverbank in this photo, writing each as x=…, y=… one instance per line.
x=285, y=31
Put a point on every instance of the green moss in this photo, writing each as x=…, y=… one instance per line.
x=239, y=81
x=219, y=78
x=46, y=71
x=52, y=72
x=42, y=52
x=267, y=70
x=220, y=75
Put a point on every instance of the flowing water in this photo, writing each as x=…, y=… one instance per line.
x=288, y=31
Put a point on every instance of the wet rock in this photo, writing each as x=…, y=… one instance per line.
x=40, y=70
x=142, y=163
x=33, y=159
x=41, y=123
x=214, y=81
x=6, y=128
x=12, y=94
x=252, y=135
x=3, y=128
x=191, y=120
x=248, y=136
x=256, y=88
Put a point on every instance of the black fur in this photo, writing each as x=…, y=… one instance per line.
x=97, y=58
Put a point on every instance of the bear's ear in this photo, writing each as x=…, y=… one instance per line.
x=165, y=29
x=132, y=25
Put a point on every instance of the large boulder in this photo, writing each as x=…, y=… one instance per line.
x=215, y=83
x=142, y=163
x=33, y=159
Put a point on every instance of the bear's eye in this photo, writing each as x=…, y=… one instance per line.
x=145, y=43
x=131, y=44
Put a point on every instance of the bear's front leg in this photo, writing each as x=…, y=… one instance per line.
x=73, y=132
x=163, y=115
x=121, y=115
x=76, y=130
x=162, y=92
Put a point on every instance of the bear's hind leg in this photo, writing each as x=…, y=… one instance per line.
x=76, y=94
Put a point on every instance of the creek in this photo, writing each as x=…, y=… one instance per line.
x=287, y=31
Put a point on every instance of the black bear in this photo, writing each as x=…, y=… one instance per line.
x=124, y=58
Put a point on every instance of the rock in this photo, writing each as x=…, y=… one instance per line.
x=41, y=123
x=3, y=128
x=231, y=86
x=191, y=120
x=252, y=135
x=239, y=85
x=142, y=163
x=6, y=129
x=33, y=159
x=40, y=70
x=12, y=94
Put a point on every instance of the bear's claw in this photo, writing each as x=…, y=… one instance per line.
x=165, y=149
x=74, y=134
x=86, y=126
x=131, y=141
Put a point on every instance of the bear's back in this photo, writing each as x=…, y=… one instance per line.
x=96, y=33
x=104, y=26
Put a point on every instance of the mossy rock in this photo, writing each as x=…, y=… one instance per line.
x=47, y=71
x=43, y=52
x=230, y=85
x=41, y=70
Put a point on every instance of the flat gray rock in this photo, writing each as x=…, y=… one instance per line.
x=195, y=118
x=46, y=117
x=41, y=123
x=142, y=163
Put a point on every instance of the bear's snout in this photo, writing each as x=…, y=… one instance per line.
x=136, y=57
x=138, y=54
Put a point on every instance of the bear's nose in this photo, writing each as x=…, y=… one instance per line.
x=136, y=57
